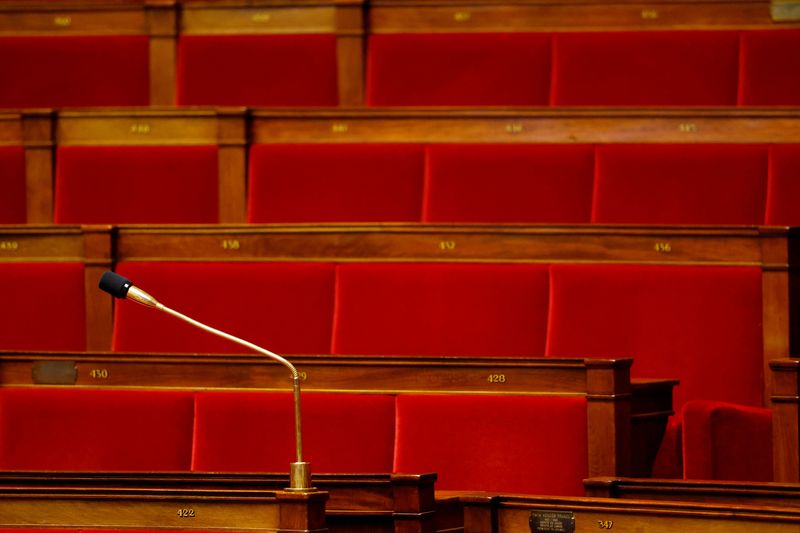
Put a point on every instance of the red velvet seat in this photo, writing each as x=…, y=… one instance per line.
x=657, y=68
x=93, y=429
x=136, y=185
x=68, y=71
x=284, y=307
x=783, y=191
x=47, y=309
x=701, y=325
x=441, y=309
x=254, y=432
x=455, y=69
x=257, y=70
x=335, y=183
x=509, y=183
x=524, y=444
x=680, y=184
x=770, y=68
x=727, y=441
x=13, y=198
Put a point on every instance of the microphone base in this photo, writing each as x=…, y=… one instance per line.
x=300, y=477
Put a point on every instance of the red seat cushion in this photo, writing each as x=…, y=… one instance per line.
x=49, y=306
x=441, y=309
x=524, y=444
x=257, y=70
x=783, y=191
x=699, y=324
x=74, y=71
x=254, y=431
x=13, y=209
x=727, y=441
x=663, y=68
x=92, y=429
x=284, y=307
x=770, y=67
x=454, y=69
x=680, y=184
x=136, y=185
x=509, y=183
x=335, y=183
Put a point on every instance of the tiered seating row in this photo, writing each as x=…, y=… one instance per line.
x=324, y=305
x=351, y=52
x=209, y=166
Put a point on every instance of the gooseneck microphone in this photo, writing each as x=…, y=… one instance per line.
x=121, y=287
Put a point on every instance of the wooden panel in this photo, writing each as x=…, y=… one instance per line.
x=399, y=16
x=63, y=19
x=728, y=492
x=524, y=126
x=448, y=242
x=227, y=20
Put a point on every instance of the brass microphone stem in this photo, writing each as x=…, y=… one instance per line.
x=300, y=478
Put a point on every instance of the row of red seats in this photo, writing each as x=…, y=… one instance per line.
x=137, y=430
x=652, y=68
x=516, y=183
x=700, y=324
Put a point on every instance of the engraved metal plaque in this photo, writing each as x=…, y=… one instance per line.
x=549, y=521
x=54, y=373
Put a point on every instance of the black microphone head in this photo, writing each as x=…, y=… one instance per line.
x=115, y=285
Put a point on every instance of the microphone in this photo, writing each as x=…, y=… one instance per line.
x=123, y=288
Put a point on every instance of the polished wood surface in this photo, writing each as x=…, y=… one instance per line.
x=221, y=501
x=729, y=492
x=488, y=513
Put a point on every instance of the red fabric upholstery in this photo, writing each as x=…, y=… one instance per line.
x=783, y=191
x=525, y=444
x=485, y=69
x=136, y=185
x=665, y=68
x=509, y=183
x=13, y=197
x=680, y=184
x=335, y=183
x=92, y=429
x=48, y=306
x=257, y=70
x=701, y=325
x=74, y=71
x=254, y=431
x=441, y=309
x=284, y=307
x=770, y=67
x=727, y=441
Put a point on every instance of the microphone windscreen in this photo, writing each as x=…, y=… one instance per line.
x=114, y=284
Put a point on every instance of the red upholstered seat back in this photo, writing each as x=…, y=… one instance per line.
x=680, y=184
x=486, y=69
x=658, y=68
x=701, y=325
x=254, y=431
x=335, y=183
x=770, y=67
x=257, y=70
x=136, y=185
x=74, y=71
x=48, y=306
x=13, y=208
x=93, y=429
x=441, y=309
x=783, y=191
x=509, y=183
x=284, y=307
x=727, y=441
x=525, y=444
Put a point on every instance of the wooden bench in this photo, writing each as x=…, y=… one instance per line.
x=32, y=132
